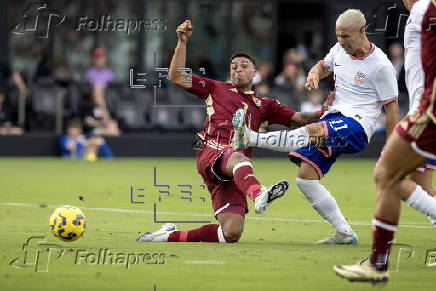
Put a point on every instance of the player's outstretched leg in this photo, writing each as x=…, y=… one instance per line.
x=398, y=160
x=169, y=233
x=281, y=141
x=229, y=230
x=239, y=167
x=325, y=204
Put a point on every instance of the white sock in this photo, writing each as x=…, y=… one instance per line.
x=281, y=141
x=324, y=203
x=421, y=201
x=221, y=237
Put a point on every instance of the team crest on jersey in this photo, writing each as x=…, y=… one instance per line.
x=257, y=101
x=359, y=78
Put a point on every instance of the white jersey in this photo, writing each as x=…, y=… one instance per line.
x=412, y=54
x=362, y=85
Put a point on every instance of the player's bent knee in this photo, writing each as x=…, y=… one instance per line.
x=315, y=129
x=384, y=177
x=238, y=158
x=235, y=159
x=232, y=235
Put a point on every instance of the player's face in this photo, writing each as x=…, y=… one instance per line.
x=242, y=72
x=350, y=40
x=74, y=131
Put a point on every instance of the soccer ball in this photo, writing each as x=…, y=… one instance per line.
x=67, y=223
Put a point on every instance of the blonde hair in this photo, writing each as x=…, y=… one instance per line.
x=351, y=18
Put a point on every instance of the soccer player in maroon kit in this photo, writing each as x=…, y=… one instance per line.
x=228, y=174
x=412, y=143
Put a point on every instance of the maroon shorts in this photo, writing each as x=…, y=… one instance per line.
x=225, y=195
x=420, y=131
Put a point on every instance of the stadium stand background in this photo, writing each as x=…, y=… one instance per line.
x=285, y=37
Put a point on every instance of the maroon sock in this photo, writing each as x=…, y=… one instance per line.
x=205, y=233
x=383, y=235
x=245, y=180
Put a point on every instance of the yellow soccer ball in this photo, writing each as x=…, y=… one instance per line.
x=67, y=223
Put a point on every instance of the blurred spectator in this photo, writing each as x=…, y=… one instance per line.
x=76, y=146
x=97, y=117
x=396, y=55
x=6, y=74
x=98, y=121
x=295, y=55
x=6, y=126
x=262, y=89
x=99, y=75
x=264, y=73
x=292, y=75
x=44, y=69
x=314, y=101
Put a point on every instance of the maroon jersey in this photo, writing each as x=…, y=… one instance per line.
x=223, y=99
x=428, y=55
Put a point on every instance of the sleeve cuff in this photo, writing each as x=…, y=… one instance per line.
x=386, y=102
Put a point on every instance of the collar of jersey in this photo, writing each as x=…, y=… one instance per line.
x=367, y=54
x=248, y=92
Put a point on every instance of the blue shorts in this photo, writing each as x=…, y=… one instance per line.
x=344, y=135
x=429, y=165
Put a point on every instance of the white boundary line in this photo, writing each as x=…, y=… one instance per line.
x=205, y=262
x=120, y=210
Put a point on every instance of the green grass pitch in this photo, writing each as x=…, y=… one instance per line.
x=276, y=251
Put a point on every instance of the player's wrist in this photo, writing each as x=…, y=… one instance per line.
x=320, y=113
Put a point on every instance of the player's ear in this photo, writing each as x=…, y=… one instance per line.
x=363, y=30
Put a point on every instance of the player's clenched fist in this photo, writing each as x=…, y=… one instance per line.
x=312, y=81
x=184, y=30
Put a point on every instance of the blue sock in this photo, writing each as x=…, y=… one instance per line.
x=105, y=151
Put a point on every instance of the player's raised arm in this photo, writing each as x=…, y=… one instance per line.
x=318, y=72
x=184, y=31
x=304, y=118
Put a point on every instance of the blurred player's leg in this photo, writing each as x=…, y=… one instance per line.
x=417, y=198
x=397, y=161
x=326, y=205
x=229, y=230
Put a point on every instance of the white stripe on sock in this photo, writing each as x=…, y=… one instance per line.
x=384, y=225
x=222, y=208
x=241, y=164
x=221, y=237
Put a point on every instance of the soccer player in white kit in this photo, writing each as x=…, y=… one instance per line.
x=365, y=82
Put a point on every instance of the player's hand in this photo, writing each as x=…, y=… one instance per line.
x=329, y=101
x=184, y=30
x=312, y=81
